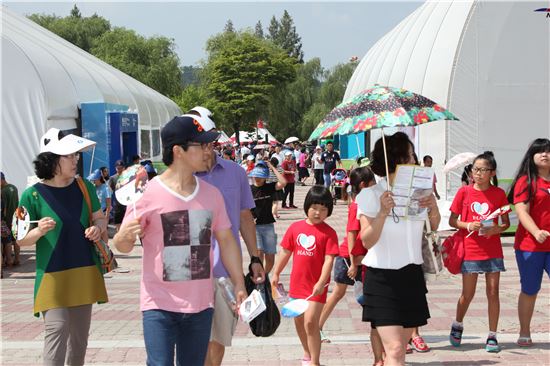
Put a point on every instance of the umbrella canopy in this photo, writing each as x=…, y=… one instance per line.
x=379, y=107
x=262, y=146
x=459, y=161
x=291, y=139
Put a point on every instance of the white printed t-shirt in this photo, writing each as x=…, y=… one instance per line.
x=400, y=244
x=177, y=251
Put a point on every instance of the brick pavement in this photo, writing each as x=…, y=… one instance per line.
x=116, y=333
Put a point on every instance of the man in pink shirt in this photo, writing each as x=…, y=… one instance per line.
x=175, y=219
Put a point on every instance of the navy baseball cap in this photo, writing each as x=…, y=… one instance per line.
x=2, y=176
x=119, y=163
x=187, y=128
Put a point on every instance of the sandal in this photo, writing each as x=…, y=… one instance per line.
x=378, y=363
x=524, y=342
x=306, y=361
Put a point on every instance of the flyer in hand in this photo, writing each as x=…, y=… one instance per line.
x=411, y=183
x=252, y=306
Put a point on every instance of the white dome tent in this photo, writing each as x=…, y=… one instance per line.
x=487, y=62
x=45, y=81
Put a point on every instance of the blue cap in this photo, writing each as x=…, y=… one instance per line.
x=259, y=171
x=149, y=168
x=96, y=174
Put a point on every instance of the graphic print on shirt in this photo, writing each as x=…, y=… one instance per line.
x=481, y=209
x=187, y=239
x=307, y=242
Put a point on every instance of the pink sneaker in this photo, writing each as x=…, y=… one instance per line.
x=419, y=345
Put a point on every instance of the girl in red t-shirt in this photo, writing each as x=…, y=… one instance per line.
x=313, y=244
x=483, y=249
x=530, y=193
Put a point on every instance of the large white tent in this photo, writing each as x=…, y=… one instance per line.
x=44, y=81
x=487, y=62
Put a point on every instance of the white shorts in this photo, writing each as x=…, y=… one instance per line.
x=224, y=321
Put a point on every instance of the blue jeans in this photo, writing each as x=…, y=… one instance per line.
x=188, y=332
x=327, y=180
x=266, y=238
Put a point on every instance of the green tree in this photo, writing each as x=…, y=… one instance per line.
x=241, y=73
x=153, y=61
x=289, y=103
x=283, y=34
x=80, y=31
x=258, y=30
x=229, y=28
x=75, y=12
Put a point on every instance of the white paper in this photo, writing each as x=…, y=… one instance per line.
x=411, y=183
x=252, y=306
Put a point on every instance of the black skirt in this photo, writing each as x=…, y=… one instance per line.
x=395, y=297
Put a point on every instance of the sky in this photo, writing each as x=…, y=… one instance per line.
x=332, y=31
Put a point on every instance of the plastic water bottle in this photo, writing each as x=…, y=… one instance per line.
x=227, y=290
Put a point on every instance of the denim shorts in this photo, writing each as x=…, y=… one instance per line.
x=484, y=266
x=266, y=238
x=531, y=266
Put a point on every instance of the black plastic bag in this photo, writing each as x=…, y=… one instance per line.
x=265, y=324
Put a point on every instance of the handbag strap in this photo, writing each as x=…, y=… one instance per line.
x=86, y=195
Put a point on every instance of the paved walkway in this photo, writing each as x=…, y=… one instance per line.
x=116, y=333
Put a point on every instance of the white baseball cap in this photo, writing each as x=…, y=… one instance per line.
x=204, y=117
x=250, y=157
x=288, y=153
x=50, y=142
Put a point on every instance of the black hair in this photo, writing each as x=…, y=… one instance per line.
x=397, y=146
x=466, y=174
x=528, y=168
x=319, y=195
x=168, y=154
x=426, y=157
x=136, y=157
x=416, y=162
x=303, y=150
x=274, y=161
x=358, y=176
x=245, y=155
x=45, y=165
x=489, y=157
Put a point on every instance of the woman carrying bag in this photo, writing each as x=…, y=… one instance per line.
x=68, y=276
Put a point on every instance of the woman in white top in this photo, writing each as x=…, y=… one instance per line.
x=318, y=165
x=394, y=287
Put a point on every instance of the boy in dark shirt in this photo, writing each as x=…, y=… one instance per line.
x=263, y=216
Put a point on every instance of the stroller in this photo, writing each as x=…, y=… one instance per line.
x=338, y=184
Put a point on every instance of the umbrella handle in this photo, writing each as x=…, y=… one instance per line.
x=310, y=296
x=386, y=160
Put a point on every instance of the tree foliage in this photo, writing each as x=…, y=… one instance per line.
x=241, y=73
x=153, y=61
x=80, y=31
x=258, y=30
x=283, y=34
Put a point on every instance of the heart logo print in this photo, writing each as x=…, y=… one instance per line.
x=306, y=242
x=46, y=141
x=480, y=208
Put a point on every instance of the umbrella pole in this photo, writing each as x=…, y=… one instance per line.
x=386, y=160
x=92, y=160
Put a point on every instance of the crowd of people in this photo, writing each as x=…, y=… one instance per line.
x=191, y=217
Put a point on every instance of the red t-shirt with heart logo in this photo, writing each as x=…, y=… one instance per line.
x=309, y=244
x=479, y=204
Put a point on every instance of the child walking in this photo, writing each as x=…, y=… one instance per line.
x=263, y=216
x=530, y=193
x=483, y=249
x=347, y=266
x=313, y=245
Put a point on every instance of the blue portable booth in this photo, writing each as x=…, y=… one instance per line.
x=115, y=131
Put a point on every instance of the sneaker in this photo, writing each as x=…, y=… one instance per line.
x=292, y=206
x=419, y=344
x=456, y=336
x=324, y=338
x=492, y=345
x=284, y=206
x=408, y=349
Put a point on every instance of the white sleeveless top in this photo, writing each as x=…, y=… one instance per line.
x=400, y=244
